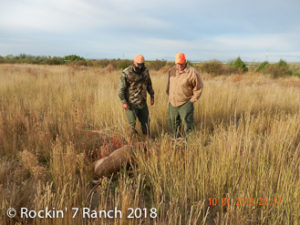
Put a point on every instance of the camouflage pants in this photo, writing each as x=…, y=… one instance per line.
x=183, y=113
x=142, y=114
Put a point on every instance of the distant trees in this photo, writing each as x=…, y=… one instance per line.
x=23, y=58
x=213, y=68
x=216, y=68
x=78, y=61
x=276, y=70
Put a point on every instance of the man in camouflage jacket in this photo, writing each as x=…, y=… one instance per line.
x=134, y=84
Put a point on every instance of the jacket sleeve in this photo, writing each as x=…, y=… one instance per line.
x=123, y=85
x=197, y=87
x=149, y=88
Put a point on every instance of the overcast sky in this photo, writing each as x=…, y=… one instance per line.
x=255, y=30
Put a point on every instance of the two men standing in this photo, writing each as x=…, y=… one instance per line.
x=184, y=88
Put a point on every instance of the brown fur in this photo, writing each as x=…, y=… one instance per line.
x=113, y=163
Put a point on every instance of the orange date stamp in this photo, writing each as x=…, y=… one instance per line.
x=244, y=201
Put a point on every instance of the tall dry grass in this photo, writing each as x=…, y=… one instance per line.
x=246, y=145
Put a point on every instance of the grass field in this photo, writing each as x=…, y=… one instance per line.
x=241, y=166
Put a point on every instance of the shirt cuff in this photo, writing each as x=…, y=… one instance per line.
x=192, y=100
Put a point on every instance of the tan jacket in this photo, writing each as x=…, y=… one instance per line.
x=184, y=86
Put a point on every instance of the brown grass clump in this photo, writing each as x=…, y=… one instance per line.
x=30, y=162
x=165, y=69
x=213, y=68
x=237, y=77
x=109, y=68
x=28, y=159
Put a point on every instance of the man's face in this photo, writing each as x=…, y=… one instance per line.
x=139, y=67
x=180, y=67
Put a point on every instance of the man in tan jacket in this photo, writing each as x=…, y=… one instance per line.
x=184, y=89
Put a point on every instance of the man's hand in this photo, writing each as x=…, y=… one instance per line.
x=152, y=101
x=125, y=106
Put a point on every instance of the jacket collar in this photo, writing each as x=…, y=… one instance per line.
x=183, y=71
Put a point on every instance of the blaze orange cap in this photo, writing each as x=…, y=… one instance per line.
x=139, y=59
x=180, y=58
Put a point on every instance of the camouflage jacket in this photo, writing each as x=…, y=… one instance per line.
x=133, y=87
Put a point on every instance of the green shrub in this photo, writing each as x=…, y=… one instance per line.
x=283, y=64
x=277, y=70
x=54, y=61
x=261, y=66
x=296, y=74
x=123, y=63
x=189, y=63
x=73, y=58
x=239, y=65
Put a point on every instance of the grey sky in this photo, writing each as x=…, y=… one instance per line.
x=203, y=29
